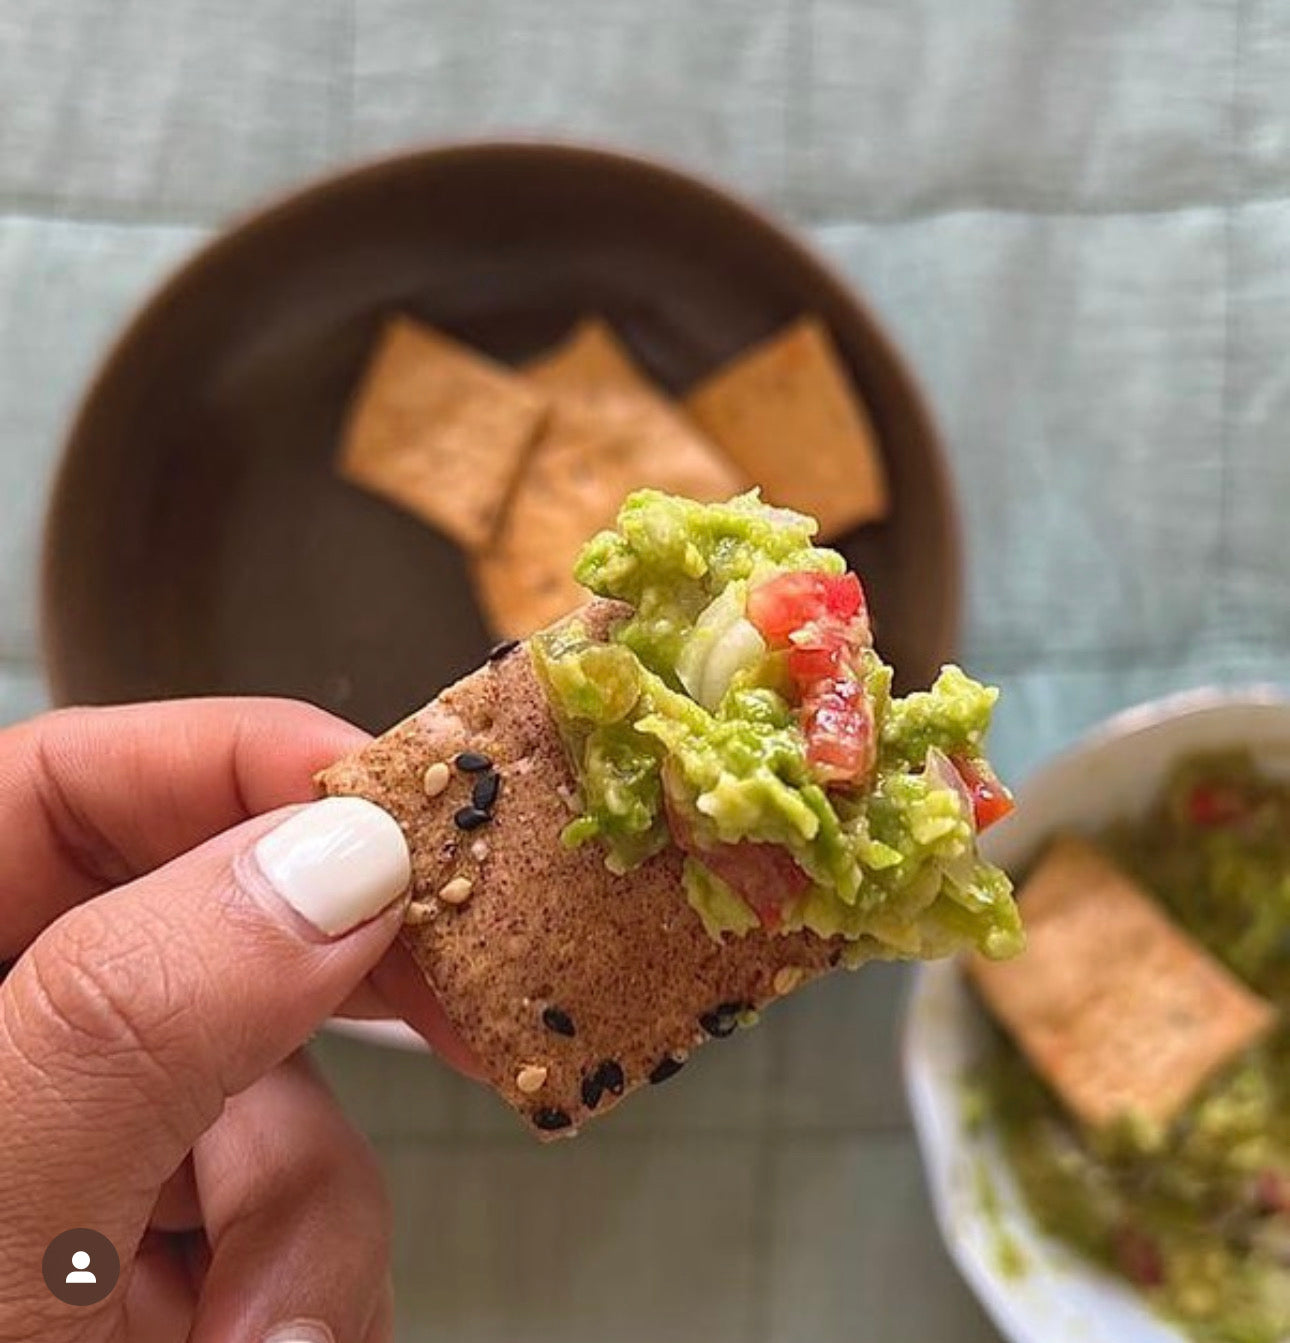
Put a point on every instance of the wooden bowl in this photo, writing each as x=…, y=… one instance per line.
x=198, y=542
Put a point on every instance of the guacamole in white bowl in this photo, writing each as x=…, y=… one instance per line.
x=1133, y=1237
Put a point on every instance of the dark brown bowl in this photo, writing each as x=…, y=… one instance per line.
x=197, y=541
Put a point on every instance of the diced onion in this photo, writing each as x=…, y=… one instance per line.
x=722, y=643
x=939, y=771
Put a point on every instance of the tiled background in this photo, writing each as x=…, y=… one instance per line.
x=1075, y=219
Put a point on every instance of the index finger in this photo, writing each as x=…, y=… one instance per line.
x=92, y=798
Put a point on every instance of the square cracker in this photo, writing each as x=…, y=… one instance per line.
x=439, y=431
x=787, y=413
x=590, y=360
x=625, y=959
x=1118, y=1009
x=609, y=433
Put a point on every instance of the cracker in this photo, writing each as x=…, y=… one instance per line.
x=439, y=430
x=1118, y=1009
x=787, y=413
x=602, y=441
x=548, y=934
x=591, y=359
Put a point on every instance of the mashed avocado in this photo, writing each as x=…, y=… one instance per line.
x=1198, y=1217
x=741, y=713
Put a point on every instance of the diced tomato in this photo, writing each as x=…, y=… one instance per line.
x=765, y=876
x=1214, y=804
x=818, y=618
x=843, y=596
x=841, y=745
x=1272, y=1191
x=1139, y=1257
x=991, y=801
x=821, y=620
x=791, y=601
x=810, y=663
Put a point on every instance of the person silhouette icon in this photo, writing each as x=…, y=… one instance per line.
x=80, y=1262
x=83, y=1286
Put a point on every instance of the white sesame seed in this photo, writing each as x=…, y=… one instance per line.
x=787, y=978
x=457, y=891
x=531, y=1078
x=435, y=779
x=417, y=913
x=479, y=850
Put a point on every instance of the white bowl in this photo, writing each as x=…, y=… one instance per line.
x=1060, y=1297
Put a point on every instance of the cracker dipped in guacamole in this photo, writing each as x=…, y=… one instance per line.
x=633, y=831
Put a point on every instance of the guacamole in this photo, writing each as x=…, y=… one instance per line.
x=1198, y=1217
x=741, y=713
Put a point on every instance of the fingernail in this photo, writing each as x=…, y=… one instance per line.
x=301, y=1331
x=337, y=862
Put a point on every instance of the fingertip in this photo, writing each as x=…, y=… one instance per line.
x=337, y=863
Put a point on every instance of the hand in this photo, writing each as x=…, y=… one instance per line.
x=175, y=946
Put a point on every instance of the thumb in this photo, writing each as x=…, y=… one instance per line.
x=130, y=1020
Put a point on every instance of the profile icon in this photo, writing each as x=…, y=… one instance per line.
x=80, y=1266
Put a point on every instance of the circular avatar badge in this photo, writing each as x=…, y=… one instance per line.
x=81, y=1267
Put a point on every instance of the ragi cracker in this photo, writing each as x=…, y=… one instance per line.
x=610, y=432
x=1119, y=1010
x=788, y=415
x=590, y=360
x=573, y=986
x=440, y=431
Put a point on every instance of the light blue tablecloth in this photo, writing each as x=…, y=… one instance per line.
x=1074, y=218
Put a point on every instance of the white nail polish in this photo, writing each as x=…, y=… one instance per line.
x=338, y=862
x=301, y=1331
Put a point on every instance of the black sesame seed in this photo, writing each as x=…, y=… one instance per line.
x=665, y=1068
x=551, y=1121
x=610, y=1076
x=559, y=1021
x=470, y=818
x=485, y=791
x=723, y=1020
x=717, y=1025
x=592, y=1090
x=499, y=651
x=473, y=762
